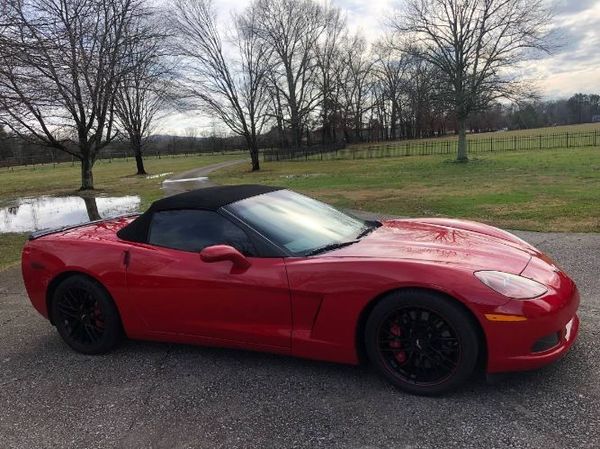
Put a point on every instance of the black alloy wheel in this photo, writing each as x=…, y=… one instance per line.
x=85, y=315
x=422, y=341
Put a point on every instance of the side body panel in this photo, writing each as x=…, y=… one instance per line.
x=176, y=293
x=102, y=261
x=330, y=293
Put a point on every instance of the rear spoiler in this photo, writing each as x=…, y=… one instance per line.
x=43, y=232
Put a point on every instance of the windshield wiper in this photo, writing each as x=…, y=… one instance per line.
x=329, y=247
x=370, y=226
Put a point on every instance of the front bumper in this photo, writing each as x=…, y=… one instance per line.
x=551, y=319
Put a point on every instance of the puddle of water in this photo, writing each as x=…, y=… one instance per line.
x=198, y=179
x=159, y=175
x=45, y=212
x=173, y=186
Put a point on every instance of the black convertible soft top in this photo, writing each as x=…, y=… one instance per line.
x=209, y=198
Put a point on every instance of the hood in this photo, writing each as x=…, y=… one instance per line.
x=466, y=243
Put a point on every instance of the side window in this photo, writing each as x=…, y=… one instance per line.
x=194, y=230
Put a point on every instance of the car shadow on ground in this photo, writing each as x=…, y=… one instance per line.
x=175, y=360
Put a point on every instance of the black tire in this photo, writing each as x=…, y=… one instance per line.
x=86, y=316
x=421, y=341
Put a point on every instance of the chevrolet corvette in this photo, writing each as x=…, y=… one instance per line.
x=425, y=301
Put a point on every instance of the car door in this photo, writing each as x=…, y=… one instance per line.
x=175, y=292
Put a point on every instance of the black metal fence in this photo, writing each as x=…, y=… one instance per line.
x=35, y=160
x=477, y=144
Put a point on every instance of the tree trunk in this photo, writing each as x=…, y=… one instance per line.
x=358, y=126
x=392, y=135
x=325, y=131
x=139, y=161
x=87, y=178
x=92, y=208
x=255, y=158
x=253, y=149
x=136, y=144
x=462, y=155
x=296, y=129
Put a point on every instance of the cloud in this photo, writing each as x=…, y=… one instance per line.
x=573, y=6
x=575, y=65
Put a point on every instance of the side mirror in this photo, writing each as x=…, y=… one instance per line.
x=219, y=253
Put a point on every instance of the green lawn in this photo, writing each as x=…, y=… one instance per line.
x=548, y=190
x=552, y=138
x=111, y=178
x=581, y=128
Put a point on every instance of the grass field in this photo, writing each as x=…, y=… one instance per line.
x=549, y=190
x=111, y=178
x=567, y=137
x=544, y=190
x=585, y=127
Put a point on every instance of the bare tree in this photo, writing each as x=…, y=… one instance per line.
x=143, y=90
x=329, y=62
x=192, y=134
x=423, y=97
x=292, y=29
x=234, y=91
x=60, y=64
x=390, y=69
x=476, y=45
x=355, y=82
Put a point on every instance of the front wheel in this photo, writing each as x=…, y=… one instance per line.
x=85, y=315
x=422, y=341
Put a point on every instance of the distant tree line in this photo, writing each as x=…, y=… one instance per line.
x=82, y=77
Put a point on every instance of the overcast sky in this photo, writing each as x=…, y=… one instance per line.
x=573, y=67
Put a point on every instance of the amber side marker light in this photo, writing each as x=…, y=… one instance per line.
x=500, y=317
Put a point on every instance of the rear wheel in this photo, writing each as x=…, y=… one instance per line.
x=423, y=342
x=85, y=315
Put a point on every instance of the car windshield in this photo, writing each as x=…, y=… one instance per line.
x=299, y=224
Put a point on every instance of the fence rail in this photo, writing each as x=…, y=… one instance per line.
x=443, y=146
x=37, y=160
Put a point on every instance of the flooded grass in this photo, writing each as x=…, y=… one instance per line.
x=34, y=214
x=116, y=178
x=46, y=196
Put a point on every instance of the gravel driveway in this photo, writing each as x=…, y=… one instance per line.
x=161, y=395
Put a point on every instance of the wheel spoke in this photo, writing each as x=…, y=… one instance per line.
x=89, y=332
x=442, y=359
x=390, y=340
x=431, y=347
x=69, y=312
x=81, y=316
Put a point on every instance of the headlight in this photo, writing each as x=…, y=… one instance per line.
x=511, y=285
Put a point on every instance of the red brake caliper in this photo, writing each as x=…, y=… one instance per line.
x=98, y=316
x=400, y=356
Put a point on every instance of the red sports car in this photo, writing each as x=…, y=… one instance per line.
x=263, y=268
